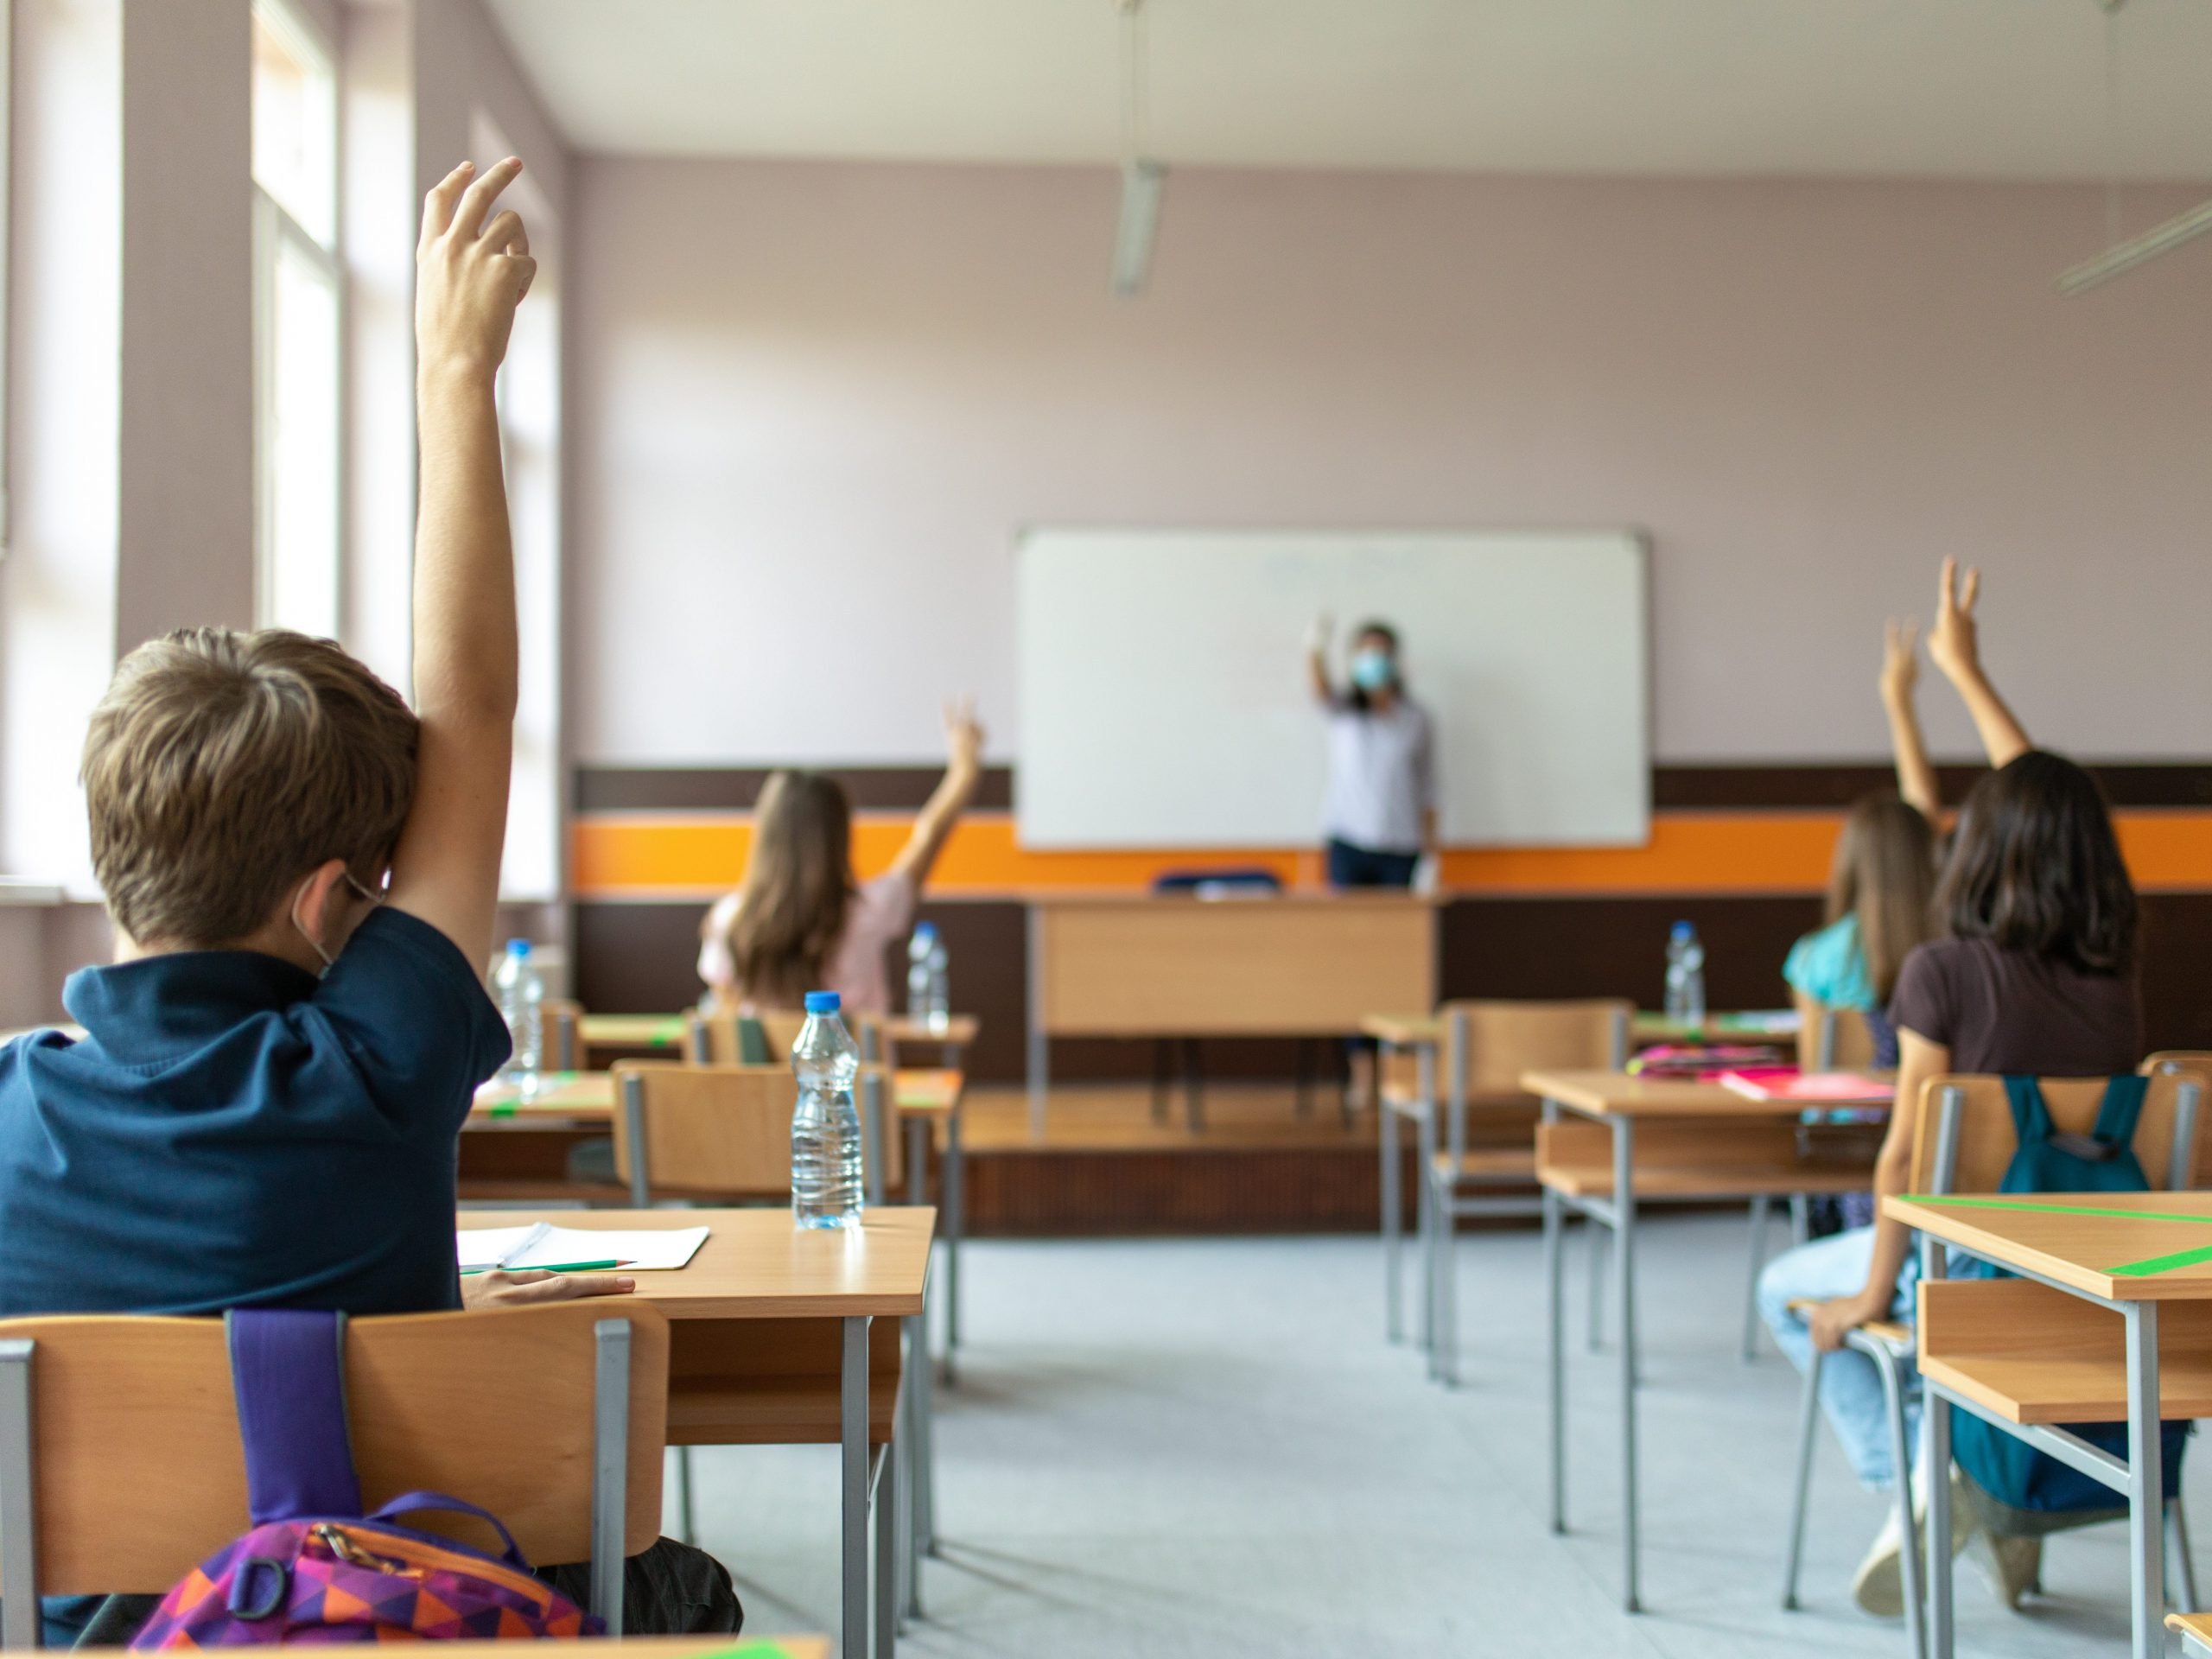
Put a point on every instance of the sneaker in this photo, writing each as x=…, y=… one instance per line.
x=2012, y=1566
x=1877, y=1586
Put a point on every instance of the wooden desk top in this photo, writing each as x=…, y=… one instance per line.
x=1775, y=1026
x=1358, y=899
x=755, y=1265
x=588, y=1098
x=2048, y=1233
x=2196, y=1632
x=632, y=1030
x=960, y=1029
x=1405, y=1030
x=560, y=1094
x=1618, y=1094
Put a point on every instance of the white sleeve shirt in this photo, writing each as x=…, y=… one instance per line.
x=1382, y=778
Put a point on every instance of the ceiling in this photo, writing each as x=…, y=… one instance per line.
x=1928, y=88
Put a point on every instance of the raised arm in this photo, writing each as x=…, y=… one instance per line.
x=1900, y=670
x=963, y=742
x=471, y=270
x=1954, y=646
x=1317, y=659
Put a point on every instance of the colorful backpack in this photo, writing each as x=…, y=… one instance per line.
x=314, y=1568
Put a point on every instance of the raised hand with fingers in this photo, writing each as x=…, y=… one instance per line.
x=469, y=274
x=1952, y=644
x=963, y=734
x=1900, y=660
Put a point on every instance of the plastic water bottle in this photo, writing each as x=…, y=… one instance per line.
x=521, y=994
x=825, y=1126
x=940, y=1014
x=1684, y=977
x=921, y=983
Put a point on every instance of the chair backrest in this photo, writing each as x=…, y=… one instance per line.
x=136, y=1471
x=1844, y=1041
x=1488, y=1045
x=2197, y=1062
x=1979, y=1141
x=713, y=1038
x=560, y=1042
x=724, y=1130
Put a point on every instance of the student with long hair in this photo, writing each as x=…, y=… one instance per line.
x=2033, y=974
x=1881, y=884
x=800, y=921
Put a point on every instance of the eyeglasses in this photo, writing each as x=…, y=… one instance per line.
x=374, y=895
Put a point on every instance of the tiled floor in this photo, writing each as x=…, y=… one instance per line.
x=1204, y=1447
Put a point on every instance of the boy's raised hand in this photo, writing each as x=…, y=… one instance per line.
x=469, y=274
x=1952, y=644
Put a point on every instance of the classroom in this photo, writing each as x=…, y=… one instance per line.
x=1121, y=826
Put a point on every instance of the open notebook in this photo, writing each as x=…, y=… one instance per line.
x=545, y=1245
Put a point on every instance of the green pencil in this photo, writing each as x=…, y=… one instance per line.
x=558, y=1267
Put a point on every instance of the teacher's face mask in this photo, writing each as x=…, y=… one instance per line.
x=1372, y=670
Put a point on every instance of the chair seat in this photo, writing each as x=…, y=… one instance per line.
x=1487, y=1164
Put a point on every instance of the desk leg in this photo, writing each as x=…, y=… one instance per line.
x=2146, y=1476
x=1555, y=1394
x=888, y=1512
x=1935, y=1442
x=917, y=1158
x=954, y=1221
x=852, y=1428
x=922, y=1425
x=1394, y=1222
x=1624, y=1288
x=1424, y=1219
x=875, y=1145
x=1039, y=1044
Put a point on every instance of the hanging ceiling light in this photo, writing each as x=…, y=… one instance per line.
x=2123, y=257
x=1142, y=178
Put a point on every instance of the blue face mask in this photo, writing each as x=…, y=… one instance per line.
x=1372, y=670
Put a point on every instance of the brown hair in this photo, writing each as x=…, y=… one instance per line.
x=1884, y=875
x=798, y=883
x=2037, y=869
x=221, y=767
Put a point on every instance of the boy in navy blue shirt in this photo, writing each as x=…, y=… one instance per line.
x=302, y=874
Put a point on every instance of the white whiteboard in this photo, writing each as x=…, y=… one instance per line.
x=1164, y=695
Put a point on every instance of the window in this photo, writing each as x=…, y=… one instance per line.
x=296, y=323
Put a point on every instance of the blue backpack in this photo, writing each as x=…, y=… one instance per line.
x=2009, y=1469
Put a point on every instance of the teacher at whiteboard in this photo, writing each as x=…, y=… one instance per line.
x=1379, y=815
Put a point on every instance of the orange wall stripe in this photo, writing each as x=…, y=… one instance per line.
x=646, y=855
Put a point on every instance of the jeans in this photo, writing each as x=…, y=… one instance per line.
x=1851, y=1388
x=1362, y=866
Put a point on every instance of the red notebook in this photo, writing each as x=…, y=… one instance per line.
x=1826, y=1088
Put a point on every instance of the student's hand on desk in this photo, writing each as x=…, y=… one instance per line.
x=1832, y=1322
x=469, y=275
x=964, y=736
x=1900, y=660
x=531, y=1286
x=1953, y=643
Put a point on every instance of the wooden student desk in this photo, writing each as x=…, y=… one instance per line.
x=2042, y=1349
x=1658, y=1140
x=786, y=1336
x=1304, y=963
x=2195, y=1630
x=669, y=1647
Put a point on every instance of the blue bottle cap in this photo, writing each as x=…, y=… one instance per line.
x=821, y=1003
x=1683, y=930
x=517, y=947
x=925, y=930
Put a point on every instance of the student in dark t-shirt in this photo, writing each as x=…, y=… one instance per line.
x=303, y=872
x=2033, y=972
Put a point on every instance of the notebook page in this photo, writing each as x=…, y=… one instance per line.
x=656, y=1247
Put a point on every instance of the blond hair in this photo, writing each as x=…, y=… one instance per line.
x=222, y=767
x=798, y=887
x=1884, y=875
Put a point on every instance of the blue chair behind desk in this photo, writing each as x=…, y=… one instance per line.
x=1227, y=884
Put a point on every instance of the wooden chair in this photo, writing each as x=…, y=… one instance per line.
x=2198, y=1063
x=719, y=1039
x=1841, y=1042
x=1487, y=1047
x=1963, y=1142
x=121, y=1466
x=703, y=1132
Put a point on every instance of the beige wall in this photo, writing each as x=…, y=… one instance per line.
x=813, y=402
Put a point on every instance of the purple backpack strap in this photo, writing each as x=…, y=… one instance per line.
x=288, y=1369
